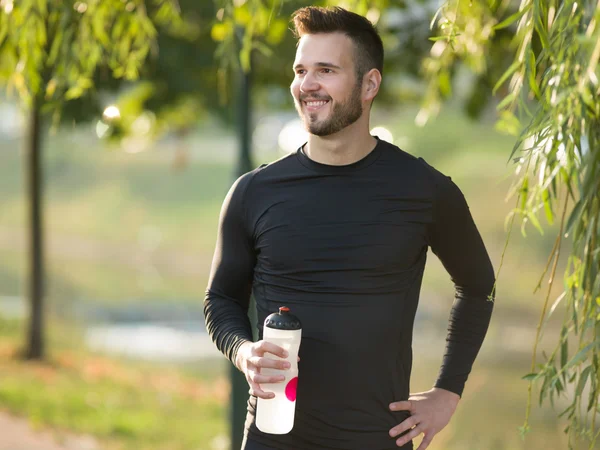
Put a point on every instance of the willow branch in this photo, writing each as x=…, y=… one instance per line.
x=545, y=308
x=539, y=284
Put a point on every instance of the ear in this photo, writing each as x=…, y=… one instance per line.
x=371, y=84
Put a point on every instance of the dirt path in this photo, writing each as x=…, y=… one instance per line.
x=17, y=434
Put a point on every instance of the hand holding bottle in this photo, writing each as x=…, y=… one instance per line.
x=251, y=360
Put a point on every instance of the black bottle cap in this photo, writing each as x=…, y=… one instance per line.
x=283, y=320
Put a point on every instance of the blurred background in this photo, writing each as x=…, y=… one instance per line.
x=134, y=173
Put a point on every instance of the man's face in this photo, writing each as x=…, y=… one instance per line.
x=326, y=92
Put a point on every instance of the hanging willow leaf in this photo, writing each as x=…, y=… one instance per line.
x=512, y=19
x=535, y=222
x=533, y=85
x=564, y=350
x=510, y=71
x=549, y=66
x=583, y=380
x=547, y=207
x=575, y=215
x=581, y=355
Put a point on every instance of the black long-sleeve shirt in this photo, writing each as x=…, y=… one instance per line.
x=345, y=248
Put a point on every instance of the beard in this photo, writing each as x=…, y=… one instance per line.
x=342, y=114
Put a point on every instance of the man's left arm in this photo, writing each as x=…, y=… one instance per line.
x=454, y=238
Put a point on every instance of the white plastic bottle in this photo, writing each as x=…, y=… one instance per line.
x=276, y=415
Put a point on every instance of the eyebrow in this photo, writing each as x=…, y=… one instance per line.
x=319, y=64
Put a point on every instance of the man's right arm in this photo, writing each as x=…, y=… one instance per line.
x=228, y=293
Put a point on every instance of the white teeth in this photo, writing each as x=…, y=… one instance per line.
x=321, y=103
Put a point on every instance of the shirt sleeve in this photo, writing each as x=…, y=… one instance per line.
x=230, y=283
x=454, y=238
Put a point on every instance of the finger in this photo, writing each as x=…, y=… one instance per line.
x=425, y=442
x=405, y=405
x=405, y=425
x=269, y=347
x=258, y=392
x=408, y=436
x=269, y=363
x=269, y=379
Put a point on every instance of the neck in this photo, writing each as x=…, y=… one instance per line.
x=345, y=147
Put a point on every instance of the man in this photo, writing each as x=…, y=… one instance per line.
x=339, y=232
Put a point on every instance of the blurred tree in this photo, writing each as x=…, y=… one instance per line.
x=548, y=52
x=179, y=85
x=50, y=53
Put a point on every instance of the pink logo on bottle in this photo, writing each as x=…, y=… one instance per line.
x=290, y=389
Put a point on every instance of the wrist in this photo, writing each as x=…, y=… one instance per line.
x=447, y=393
x=239, y=356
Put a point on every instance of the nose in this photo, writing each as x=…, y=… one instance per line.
x=309, y=83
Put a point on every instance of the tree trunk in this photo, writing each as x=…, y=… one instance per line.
x=35, y=282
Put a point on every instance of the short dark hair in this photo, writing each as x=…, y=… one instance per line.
x=366, y=39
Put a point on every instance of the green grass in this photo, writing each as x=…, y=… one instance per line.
x=113, y=196
x=124, y=405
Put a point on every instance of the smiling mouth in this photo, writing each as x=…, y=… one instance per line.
x=314, y=105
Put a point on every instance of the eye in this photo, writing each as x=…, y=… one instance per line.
x=326, y=71
x=300, y=72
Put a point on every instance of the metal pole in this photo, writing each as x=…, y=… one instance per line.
x=244, y=111
x=239, y=386
x=35, y=334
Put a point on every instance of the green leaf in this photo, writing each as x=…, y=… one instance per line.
x=98, y=25
x=581, y=355
x=262, y=48
x=524, y=192
x=582, y=380
x=74, y=92
x=533, y=85
x=531, y=376
x=535, y=222
x=564, y=349
x=3, y=31
x=544, y=389
x=277, y=32
x=542, y=34
x=512, y=18
x=557, y=384
x=444, y=83
x=508, y=123
x=575, y=215
x=439, y=38
x=569, y=410
x=547, y=206
x=435, y=16
x=508, y=99
x=512, y=69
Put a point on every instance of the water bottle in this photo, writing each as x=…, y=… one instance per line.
x=276, y=415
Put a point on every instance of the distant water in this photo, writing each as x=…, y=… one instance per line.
x=183, y=342
x=12, y=307
x=137, y=331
